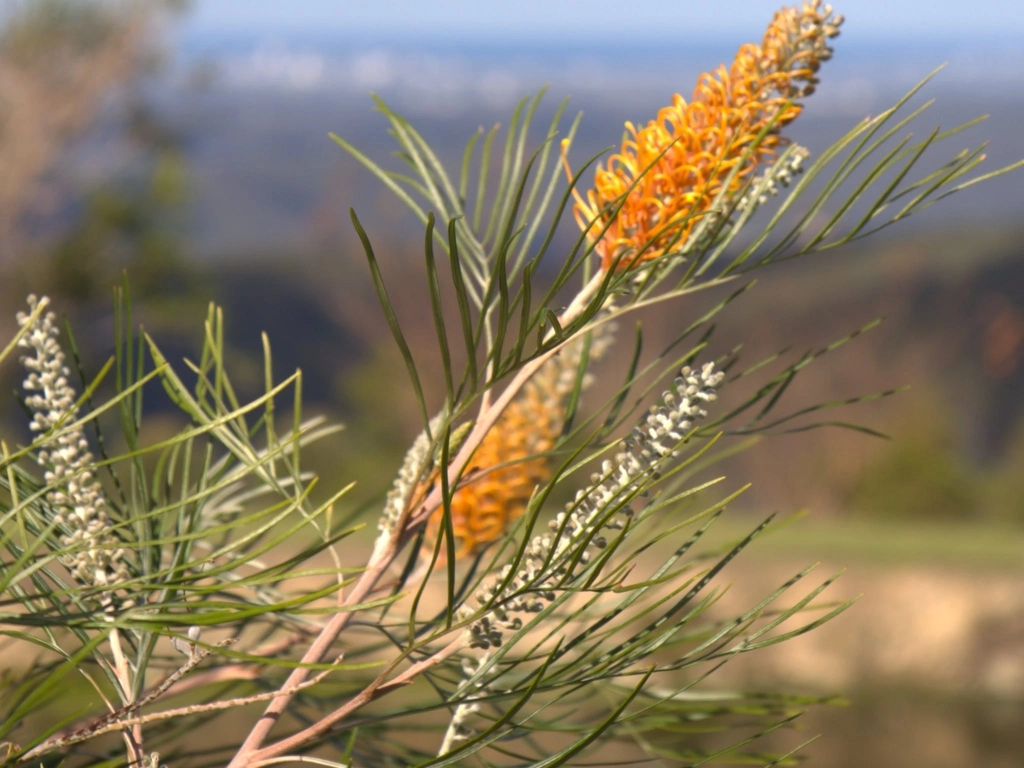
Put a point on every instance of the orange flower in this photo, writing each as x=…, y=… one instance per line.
x=511, y=456
x=512, y=459
x=692, y=148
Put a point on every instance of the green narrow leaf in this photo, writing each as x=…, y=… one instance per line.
x=496, y=728
x=437, y=310
x=449, y=529
x=268, y=386
x=570, y=264
x=563, y=756
x=933, y=182
x=467, y=156
x=524, y=317
x=517, y=163
x=430, y=170
x=883, y=199
x=984, y=177
x=389, y=313
x=49, y=684
x=553, y=324
x=620, y=399
x=530, y=215
x=466, y=320
x=506, y=164
x=381, y=174
x=867, y=131
x=481, y=187
x=500, y=278
x=577, y=388
x=859, y=190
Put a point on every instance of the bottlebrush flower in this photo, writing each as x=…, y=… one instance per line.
x=681, y=161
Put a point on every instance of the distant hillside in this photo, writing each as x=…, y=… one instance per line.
x=253, y=117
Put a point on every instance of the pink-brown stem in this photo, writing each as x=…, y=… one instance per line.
x=315, y=653
x=382, y=559
x=133, y=736
x=372, y=692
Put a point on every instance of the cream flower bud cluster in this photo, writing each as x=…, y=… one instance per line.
x=77, y=499
x=650, y=442
x=778, y=175
x=409, y=474
x=818, y=24
x=649, y=445
x=643, y=451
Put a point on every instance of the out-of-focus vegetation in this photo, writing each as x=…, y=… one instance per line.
x=62, y=64
x=133, y=223
x=58, y=62
x=1004, y=489
x=924, y=476
x=921, y=476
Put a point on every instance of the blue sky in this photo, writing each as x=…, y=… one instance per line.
x=579, y=20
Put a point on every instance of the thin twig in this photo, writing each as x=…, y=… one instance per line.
x=375, y=690
x=230, y=672
x=133, y=722
x=114, y=717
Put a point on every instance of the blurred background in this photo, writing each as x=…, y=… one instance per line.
x=186, y=142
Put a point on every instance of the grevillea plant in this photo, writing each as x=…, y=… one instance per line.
x=538, y=588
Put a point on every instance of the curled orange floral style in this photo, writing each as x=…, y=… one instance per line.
x=514, y=453
x=515, y=456
x=670, y=171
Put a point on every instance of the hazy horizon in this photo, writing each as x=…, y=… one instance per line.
x=571, y=21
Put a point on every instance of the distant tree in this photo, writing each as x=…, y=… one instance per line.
x=59, y=59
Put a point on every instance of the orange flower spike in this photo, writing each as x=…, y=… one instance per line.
x=511, y=457
x=514, y=456
x=692, y=148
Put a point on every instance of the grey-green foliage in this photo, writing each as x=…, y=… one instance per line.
x=608, y=632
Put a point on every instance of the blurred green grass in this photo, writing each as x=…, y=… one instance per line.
x=890, y=543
